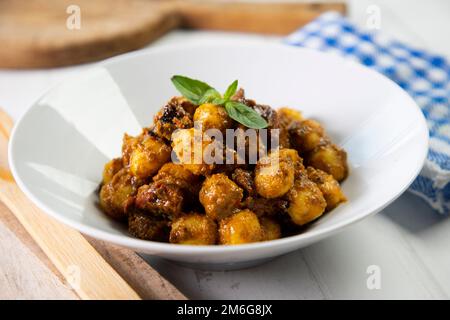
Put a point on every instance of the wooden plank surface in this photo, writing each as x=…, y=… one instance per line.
x=25, y=271
x=147, y=282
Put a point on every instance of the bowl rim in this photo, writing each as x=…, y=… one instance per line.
x=147, y=245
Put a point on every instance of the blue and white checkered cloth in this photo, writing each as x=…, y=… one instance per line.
x=425, y=76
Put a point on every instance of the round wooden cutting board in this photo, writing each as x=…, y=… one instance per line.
x=45, y=33
x=52, y=33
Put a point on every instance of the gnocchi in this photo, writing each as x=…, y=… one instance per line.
x=165, y=191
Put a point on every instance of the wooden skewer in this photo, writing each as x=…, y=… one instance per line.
x=84, y=268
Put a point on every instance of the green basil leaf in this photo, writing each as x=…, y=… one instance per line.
x=191, y=89
x=231, y=90
x=245, y=115
x=218, y=101
x=210, y=96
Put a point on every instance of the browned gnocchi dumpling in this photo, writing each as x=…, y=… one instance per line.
x=116, y=196
x=244, y=179
x=330, y=188
x=160, y=198
x=273, y=181
x=148, y=227
x=306, y=135
x=170, y=118
x=189, y=148
x=266, y=207
x=111, y=168
x=287, y=116
x=194, y=229
x=148, y=156
x=271, y=229
x=212, y=116
x=329, y=158
x=306, y=201
x=242, y=227
x=220, y=196
x=129, y=143
x=177, y=174
x=291, y=156
x=275, y=173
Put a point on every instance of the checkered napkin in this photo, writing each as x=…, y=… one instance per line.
x=425, y=76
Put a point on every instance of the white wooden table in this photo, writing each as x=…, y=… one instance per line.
x=407, y=241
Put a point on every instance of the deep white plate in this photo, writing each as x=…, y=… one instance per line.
x=58, y=148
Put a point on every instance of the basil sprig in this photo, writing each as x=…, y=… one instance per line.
x=199, y=92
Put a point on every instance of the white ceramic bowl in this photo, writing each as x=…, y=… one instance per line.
x=58, y=148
